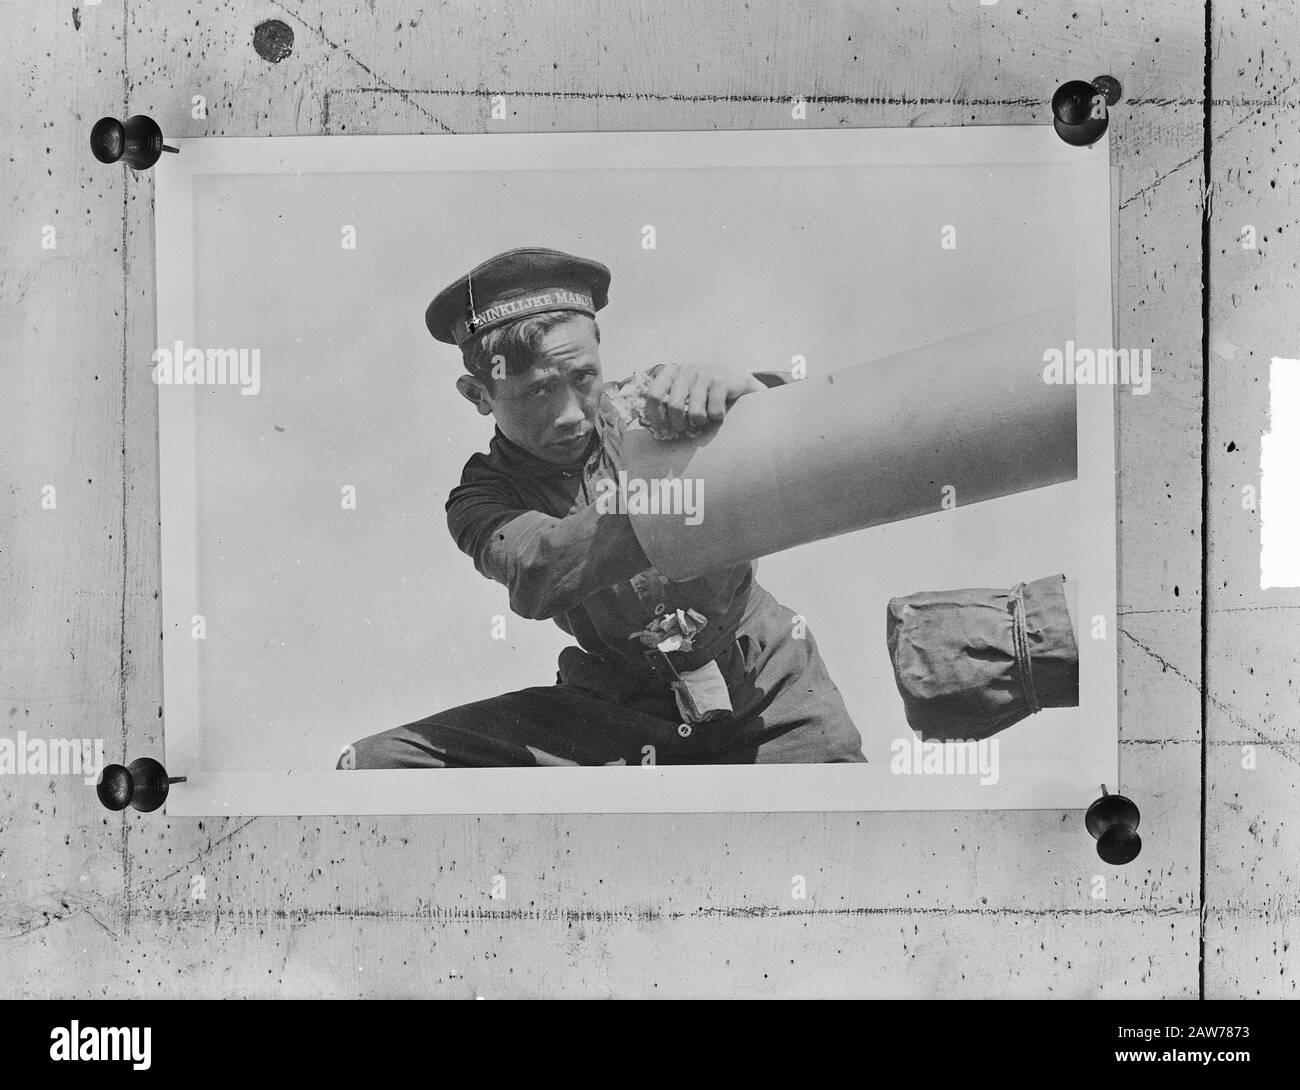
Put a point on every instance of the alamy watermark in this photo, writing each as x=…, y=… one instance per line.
x=656, y=496
x=115, y=1044
x=181, y=366
x=913, y=757
x=1075, y=366
x=23, y=756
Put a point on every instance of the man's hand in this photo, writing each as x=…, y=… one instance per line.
x=690, y=395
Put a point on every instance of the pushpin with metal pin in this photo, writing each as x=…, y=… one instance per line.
x=1080, y=111
x=1113, y=821
x=143, y=785
x=137, y=141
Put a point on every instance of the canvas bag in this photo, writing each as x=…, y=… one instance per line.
x=969, y=663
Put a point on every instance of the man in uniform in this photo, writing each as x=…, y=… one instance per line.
x=746, y=685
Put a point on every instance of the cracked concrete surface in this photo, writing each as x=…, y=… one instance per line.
x=899, y=904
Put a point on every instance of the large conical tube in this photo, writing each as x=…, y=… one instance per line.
x=871, y=444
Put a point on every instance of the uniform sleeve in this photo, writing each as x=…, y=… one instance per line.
x=548, y=564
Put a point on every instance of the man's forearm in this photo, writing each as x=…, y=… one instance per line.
x=549, y=565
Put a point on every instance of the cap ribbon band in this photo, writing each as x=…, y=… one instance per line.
x=520, y=306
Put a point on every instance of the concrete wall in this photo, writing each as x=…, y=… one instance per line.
x=973, y=904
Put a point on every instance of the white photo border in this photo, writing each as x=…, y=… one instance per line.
x=635, y=789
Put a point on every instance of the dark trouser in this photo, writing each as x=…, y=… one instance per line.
x=787, y=710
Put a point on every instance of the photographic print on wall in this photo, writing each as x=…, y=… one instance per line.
x=622, y=472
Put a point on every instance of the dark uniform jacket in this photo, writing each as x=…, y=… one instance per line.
x=534, y=526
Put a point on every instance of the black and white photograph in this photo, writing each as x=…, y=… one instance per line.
x=766, y=486
x=655, y=501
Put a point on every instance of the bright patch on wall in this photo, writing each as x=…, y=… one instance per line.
x=1279, y=489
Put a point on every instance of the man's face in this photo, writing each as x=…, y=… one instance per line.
x=550, y=409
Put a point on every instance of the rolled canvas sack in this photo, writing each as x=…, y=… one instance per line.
x=970, y=663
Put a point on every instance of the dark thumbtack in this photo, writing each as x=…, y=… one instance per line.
x=143, y=785
x=1080, y=111
x=137, y=141
x=1113, y=821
